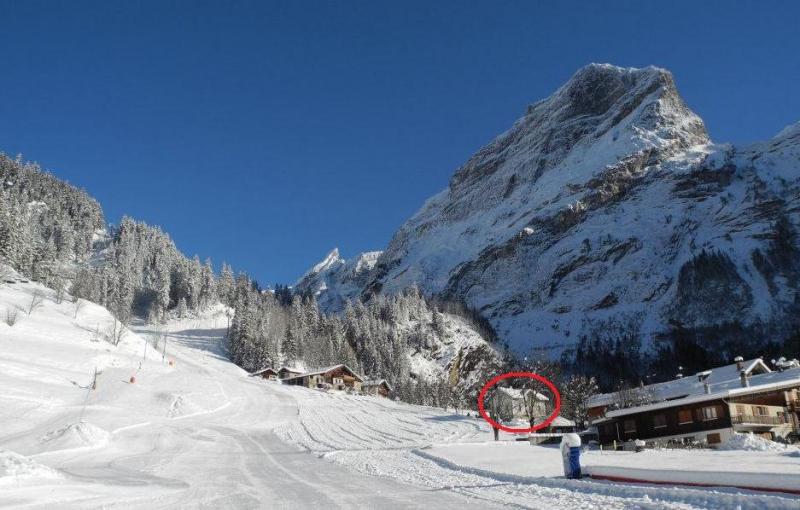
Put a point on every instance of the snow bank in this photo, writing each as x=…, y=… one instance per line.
x=752, y=465
x=14, y=467
x=521, y=462
x=76, y=435
x=753, y=443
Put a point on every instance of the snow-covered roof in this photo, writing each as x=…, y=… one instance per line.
x=267, y=369
x=325, y=370
x=728, y=389
x=717, y=378
x=560, y=421
x=376, y=382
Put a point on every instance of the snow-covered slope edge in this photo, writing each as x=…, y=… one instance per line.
x=51, y=347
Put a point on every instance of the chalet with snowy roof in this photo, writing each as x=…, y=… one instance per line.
x=266, y=373
x=377, y=387
x=746, y=396
x=337, y=377
x=287, y=372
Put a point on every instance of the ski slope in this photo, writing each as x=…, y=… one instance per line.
x=201, y=433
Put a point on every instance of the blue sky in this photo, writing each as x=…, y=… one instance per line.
x=265, y=134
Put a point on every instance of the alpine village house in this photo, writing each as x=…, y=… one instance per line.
x=709, y=407
x=336, y=377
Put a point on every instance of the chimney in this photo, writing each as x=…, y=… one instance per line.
x=744, y=379
x=707, y=388
x=739, y=363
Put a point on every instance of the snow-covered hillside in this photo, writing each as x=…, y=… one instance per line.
x=194, y=433
x=456, y=353
x=201, y=433
x=607, y=208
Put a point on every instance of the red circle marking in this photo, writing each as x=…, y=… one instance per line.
x=511, y=375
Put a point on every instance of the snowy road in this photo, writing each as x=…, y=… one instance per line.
x=202, y=434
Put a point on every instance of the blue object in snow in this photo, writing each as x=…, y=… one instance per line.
x=575, y=462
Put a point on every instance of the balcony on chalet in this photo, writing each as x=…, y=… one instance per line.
x=745, y=419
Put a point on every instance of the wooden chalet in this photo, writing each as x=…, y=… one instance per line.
x=746, y=396
x=337, y=377
x=266, y=373
x=377, y=387
x=287, y=372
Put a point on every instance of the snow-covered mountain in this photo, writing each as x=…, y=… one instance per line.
x=607, y=207
x=335, y=280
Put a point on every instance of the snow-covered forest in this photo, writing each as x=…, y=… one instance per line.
x=380, y=338
x=45, y=223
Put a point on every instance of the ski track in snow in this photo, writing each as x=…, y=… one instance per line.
x=202, y=434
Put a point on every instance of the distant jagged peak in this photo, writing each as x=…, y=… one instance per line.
x=792, y=131
x=337, y=278
x=331, y=260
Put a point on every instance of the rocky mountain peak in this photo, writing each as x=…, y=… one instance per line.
x=331, y=260
x=335, y=280
x=608, y=110
x=790, y=132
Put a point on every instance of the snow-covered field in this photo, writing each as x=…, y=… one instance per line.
x=201, y=433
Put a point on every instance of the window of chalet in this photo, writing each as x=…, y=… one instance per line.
x=630, y=426
x=760, y=411
x=708, y=413
x=713, y=438
x=659, y=421
x=740, y=410
x=685, y=416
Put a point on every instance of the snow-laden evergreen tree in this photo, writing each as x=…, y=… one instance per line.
x=225, y=286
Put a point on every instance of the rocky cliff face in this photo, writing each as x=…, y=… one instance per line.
x=607, y=205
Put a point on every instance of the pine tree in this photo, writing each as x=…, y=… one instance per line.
x=225, y=286
x=208, y=285
x=183, y=309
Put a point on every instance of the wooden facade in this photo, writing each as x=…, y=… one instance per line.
x=378, y=388
x=267, y=373
x=691, y=419
x=767, y=413
x=286, y=373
